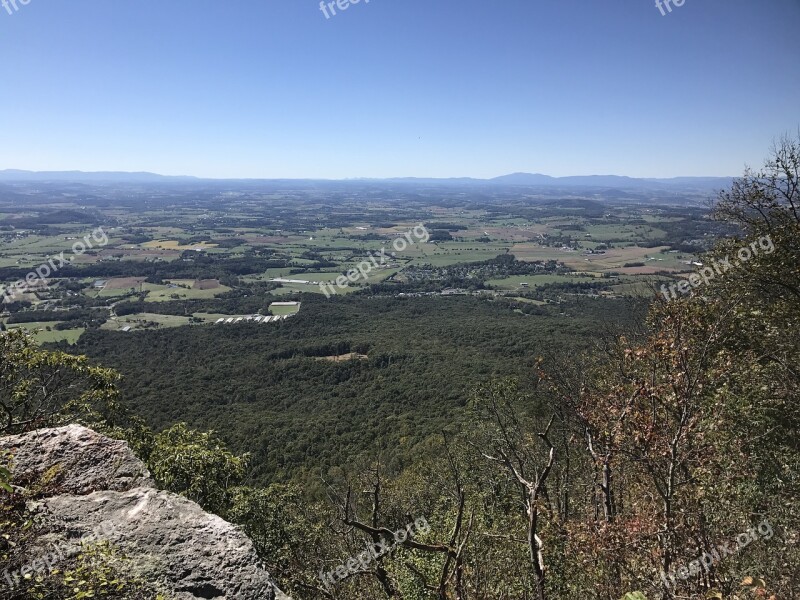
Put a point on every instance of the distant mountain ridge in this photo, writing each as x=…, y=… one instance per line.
x=607, y=180
x=513, y=179
x=105, y=176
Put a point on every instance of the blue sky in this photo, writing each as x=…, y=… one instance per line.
x=428, y=88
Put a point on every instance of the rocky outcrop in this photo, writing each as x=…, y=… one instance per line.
x=75, y=460
x=104, y=492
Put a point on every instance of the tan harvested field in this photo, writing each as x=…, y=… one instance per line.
x=85, y=259
x=613, y=259
x=512, y=234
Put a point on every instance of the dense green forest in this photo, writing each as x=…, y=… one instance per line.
x=267, y=391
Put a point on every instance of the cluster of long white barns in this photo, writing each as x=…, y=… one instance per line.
x=252, y=319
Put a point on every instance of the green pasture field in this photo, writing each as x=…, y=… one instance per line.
x=164, y=293
x=630, y=233
x=42, y=336
x=139, y=320
x=284, y=310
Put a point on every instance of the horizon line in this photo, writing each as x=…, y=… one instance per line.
x=22, y=172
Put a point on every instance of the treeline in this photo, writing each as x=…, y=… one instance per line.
x=556, y=291
x=41, y=316
x=236, y=302
x=200, y=267
x=470, y=276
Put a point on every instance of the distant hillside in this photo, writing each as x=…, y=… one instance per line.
x=615, y=181
x=101, y=176
x=514, y=179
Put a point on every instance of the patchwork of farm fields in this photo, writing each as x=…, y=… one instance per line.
x=188, y=265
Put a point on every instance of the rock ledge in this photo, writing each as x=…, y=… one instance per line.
x=102, y=487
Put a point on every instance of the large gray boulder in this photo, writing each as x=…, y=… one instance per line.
x=170, y=539
x=75, y=460
x=104, y=493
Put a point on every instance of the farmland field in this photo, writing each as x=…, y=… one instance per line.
x=284, y=310
x=45, y=333
x=177, y=245
x=194, y=263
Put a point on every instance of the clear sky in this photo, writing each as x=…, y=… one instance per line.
x=427, y=88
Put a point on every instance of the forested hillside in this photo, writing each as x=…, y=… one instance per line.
x=274, y=392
